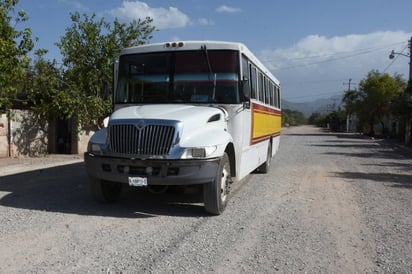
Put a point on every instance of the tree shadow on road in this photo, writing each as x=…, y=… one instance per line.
x=357, y=146
x=407, y=167
x=372, y=154
x=398, y=180
x=65, y=189
x=345, y=145
x=382, y=149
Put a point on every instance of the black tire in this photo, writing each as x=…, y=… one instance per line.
x=264, y=168
x=215, y=194
x=105, y=191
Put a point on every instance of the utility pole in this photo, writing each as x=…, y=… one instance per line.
x=408, y=121
x=410, y=59
x=347, y=113
x=408, y=117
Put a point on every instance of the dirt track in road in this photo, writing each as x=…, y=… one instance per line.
x=332, y=203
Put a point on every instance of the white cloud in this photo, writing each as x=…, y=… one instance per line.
x=318, y=64
x=205, y=21
x=75, y=4
x=228, y=9
x=163, y=18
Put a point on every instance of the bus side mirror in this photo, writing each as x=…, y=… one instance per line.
x=246, y=93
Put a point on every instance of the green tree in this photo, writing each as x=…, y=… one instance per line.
x=351, y=100
x=336, y=120
x=376, y=93
x=293, y=117
x=14, y=46
x=402, y=105
x=402, y=110
x=47, y=93
x=317, y=119
x=89, y=47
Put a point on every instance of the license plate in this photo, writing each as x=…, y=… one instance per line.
x=137, y=181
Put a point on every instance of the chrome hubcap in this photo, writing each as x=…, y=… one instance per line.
x=225, y=183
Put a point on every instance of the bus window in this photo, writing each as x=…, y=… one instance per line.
x=261, y=88
x=210, y=76
x=278, y=97
x=277, y=103
x=245, y=73
x=253, y=81
x=267, y=91
x=245, y=68
x=271, y=94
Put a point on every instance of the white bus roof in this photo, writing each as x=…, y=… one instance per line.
x=196, y=45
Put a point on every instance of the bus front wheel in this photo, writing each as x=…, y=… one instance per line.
x=105, y=191
x=215, y=194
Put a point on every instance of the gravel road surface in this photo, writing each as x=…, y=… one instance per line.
x=331, y=203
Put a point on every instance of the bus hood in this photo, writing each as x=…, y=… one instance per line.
x=183, y=113
x=200, y=125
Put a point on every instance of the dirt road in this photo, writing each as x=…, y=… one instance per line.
x=330, y=203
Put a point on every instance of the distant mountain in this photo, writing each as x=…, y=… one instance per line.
x=321, y=105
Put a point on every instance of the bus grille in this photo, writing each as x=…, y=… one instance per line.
x=150, y=140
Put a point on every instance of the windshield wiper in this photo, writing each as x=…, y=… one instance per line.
x=211, y=76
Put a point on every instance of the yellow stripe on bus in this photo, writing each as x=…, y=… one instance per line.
x=266, y=122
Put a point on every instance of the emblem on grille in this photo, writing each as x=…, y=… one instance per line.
x=140, y=125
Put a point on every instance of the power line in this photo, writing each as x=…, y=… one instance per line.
x=351, y=54
x=312, y=95
x=363, y=50
x=298, y=83
x=324, y=61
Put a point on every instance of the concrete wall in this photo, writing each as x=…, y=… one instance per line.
x=84, y=137
x=29, y=134
x=33, y=137
x=4, y=144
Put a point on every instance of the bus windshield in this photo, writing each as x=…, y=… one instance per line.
x=204, y=76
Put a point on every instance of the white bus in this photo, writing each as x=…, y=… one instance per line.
x=191, y=112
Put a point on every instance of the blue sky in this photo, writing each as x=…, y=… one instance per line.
x=313, y=47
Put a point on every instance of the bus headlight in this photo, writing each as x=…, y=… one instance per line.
x=198, y=152
x=95, y=148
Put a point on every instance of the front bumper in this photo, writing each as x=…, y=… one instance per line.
x=157, y=172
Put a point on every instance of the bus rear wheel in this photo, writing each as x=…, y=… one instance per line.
x=215, y=193
x=264, y=168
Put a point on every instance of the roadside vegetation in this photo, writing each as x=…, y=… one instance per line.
x=79, y=86
x=293, y=118
x=380, y=101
